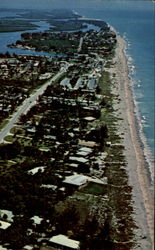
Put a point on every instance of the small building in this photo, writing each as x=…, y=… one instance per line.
x=36, y=170
x=31, y=130
x=36, y=220
x=3, y=248
x=90, y=144
x=73, y=165
x=63, y=242
x=78, y=159
x=27, y=247
x=89, y=118
x=7, y=213
x=85, y=149
x=79, y=180
x=92, y=84
x=66, y=83
x=4, y=225
x=76, y=180
x=82, y=153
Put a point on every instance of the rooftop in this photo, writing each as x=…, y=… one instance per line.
x=65, y=241
x=78, y=159
x=76, y=179
x=8, y=213
x=35, y=170
x=4, y=225
x=27, y=247
x=37, y=219
x=79, y=180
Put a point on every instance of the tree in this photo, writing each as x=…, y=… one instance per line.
x=9, y=151
x=68, y=219
x=5, y=216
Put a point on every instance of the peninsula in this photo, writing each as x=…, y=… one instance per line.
x=72, y=171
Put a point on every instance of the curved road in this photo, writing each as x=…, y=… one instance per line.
x=29, y=102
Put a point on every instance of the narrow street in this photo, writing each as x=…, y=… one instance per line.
x=29, y=102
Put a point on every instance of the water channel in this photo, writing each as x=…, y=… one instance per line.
x=7, y=38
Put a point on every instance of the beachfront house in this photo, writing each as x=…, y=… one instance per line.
x=79, y=180
x=75, y=180
x=63, y=242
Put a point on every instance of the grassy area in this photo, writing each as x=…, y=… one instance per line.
x=95, y=189
x=17, y=129
x=9, y=138
x=119, y=199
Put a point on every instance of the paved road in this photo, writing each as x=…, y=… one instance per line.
x=80, y=45
x=29, y=102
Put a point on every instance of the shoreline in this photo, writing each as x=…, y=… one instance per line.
x=142, y=193
x=147, y=152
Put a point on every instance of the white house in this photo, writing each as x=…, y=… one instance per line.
x=63, y=241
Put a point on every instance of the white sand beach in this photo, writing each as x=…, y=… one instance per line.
x=136, y=163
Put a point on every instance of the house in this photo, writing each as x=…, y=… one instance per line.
x=36, y=170
x=3, y=248
x=84, y=151
x=73, y=165
x=78, y=159
x=4, y=225
x=66, y=83
x=90, y=144
x=63, y=242
x=92, y=84
x=28, y=247
x=49, y=186
x=7, y=213
x=89, y=118
x=36, y=220
x=76, y=180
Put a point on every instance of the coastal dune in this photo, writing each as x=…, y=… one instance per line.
x=138, y=173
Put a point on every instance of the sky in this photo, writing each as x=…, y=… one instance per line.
x=49, y=4
x=41, y=3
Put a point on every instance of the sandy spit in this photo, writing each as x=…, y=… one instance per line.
x=136, y=163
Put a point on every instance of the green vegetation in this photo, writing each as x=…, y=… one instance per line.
x=93, y=214
x=69, y=131
x=16, y=25
x=19, y=77
x=48, y=15
x=70, y=25
x=61, y=45
x=95, y=189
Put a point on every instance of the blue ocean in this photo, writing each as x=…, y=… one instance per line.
x=134, y=20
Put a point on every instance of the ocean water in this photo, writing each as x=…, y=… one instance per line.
x=134, y=20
